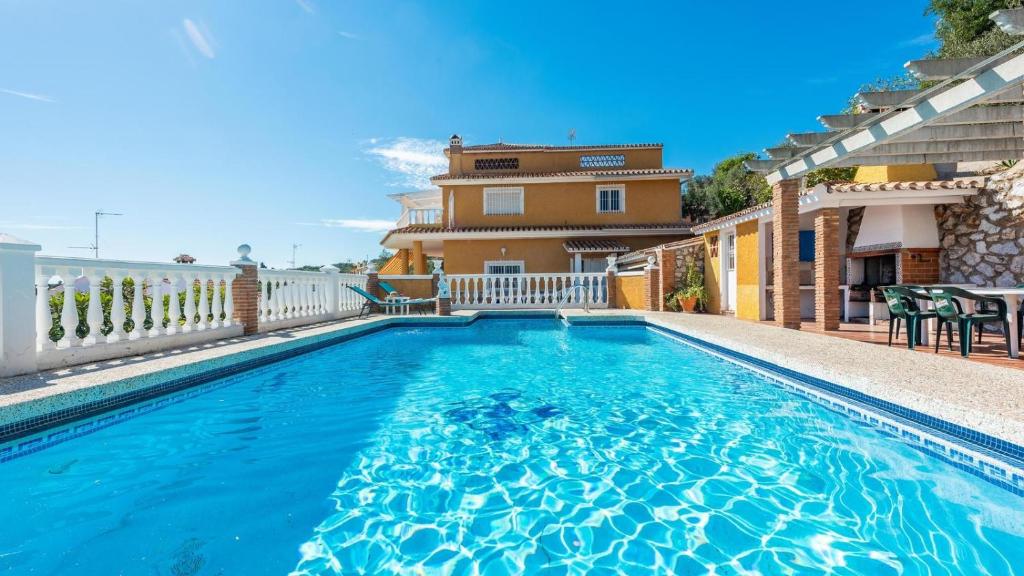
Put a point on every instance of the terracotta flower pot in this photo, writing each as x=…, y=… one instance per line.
x=687, y=304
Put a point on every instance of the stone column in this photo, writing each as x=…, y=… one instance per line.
x=786, y=231
x=611, y=272
x=245, y=292
x=651, y=284
x=826, y=269
x=18, y=307
x=667, y=277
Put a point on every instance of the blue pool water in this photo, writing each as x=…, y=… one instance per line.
x=510, y=446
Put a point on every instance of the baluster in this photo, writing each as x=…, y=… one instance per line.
x=69, y=312
x=280, y=304
x=190, y=302
x=156, y=305
x=204, y=302
x=321, y=297
x=218, y=304
x=94, y=313
x=303, y=285
x=265, y=298
x=138, y=308
x=44, y=318
x=229, y=301
x=117, y=315
x=174, y=306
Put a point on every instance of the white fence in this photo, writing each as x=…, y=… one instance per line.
x=294, y=297
x=477, y=291
x=129, y=307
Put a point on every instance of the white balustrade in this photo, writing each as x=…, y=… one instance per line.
x=485, y=291
x=297, y=297
x=106, y=323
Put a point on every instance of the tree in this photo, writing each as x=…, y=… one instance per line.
x=381, y=258
x=730, y=188
x=965, y=30
x=815, y=177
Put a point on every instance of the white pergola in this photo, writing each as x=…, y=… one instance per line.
x=974, y=113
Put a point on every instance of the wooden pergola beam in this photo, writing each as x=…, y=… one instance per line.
x=936, y=158
x=940, y=69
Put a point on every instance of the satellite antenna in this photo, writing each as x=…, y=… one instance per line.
x=95, y=247
x=572, y=136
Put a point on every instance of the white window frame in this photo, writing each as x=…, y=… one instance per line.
x=731, y=252
x=504, y=190
x=520, y=263
x=621, y=188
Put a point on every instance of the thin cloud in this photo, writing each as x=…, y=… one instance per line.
x=29, y=95
x=348, y=35
x=10, y=225
x=413, y=160
x=305, y=5
x=922, y=40
x=198, y=39
x=357, y=224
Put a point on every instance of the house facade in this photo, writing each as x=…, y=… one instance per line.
x=517, y=209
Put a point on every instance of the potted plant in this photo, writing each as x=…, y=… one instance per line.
x=693, y=296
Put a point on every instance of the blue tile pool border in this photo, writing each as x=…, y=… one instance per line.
x=218, y=368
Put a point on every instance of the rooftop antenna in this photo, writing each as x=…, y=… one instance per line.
x=95, y=247
x=572, y=136
x=294, y=248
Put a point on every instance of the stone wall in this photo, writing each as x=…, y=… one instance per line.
x=983, y=238
x=687, y=253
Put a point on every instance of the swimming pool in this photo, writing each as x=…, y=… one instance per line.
x=508, y=446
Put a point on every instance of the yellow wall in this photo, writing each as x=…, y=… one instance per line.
x=629, y=292
x=747, y=271
x=712, y=273
x=540, y=255
x=896, y=173
x=647, y=202
x=555, y=161
x=411, y=287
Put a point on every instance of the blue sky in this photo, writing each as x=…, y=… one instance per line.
x=288, y=121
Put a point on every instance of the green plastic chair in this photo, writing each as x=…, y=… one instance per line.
x=949, y=310
x=902, y=303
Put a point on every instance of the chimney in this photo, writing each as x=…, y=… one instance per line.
x=455, y=154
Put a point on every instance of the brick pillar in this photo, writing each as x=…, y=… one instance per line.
x=372, y=286
x=245, y=293
x=826, y=269
x=786, y=251
x=667, y=277
x=444, y=294
x=652, y=284
x=610, y=272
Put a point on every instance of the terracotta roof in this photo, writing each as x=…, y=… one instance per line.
x=596, y=245
x=847, y=187
x=574, y=173
x=550, y=228
x=502, y=146
x=961, y=184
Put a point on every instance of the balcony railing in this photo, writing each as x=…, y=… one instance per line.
x=419, y=217
x=483, y=291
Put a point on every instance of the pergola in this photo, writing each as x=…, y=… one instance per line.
x=973, y=111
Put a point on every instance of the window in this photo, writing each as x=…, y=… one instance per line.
x=611, y=198
x=496, y=164
x=503, y=267
x=603, y=161
x=503, y=201
x=732, y=252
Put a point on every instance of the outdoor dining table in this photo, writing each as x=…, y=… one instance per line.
x=1013, y=297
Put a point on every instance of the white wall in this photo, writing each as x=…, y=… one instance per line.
x=912, y=226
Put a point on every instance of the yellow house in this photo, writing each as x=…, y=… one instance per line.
x=515, y=209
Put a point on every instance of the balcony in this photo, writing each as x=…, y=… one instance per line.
x=420, y=217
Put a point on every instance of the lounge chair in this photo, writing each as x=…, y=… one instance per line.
x=902, y=303
x=949, y=310
x=370, y=301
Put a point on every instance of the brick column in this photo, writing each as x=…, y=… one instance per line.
x=667, y=277
x=372, y=286
x=245, y=293
x=786, y=251
x=610, y=273
x=444, y=294
x=826, y=269
x=652, y=284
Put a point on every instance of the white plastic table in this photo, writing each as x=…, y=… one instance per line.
x=404, y=310
x=1012, y=296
